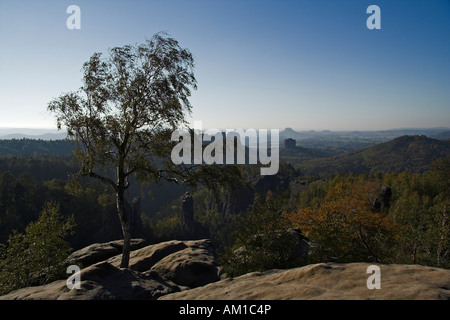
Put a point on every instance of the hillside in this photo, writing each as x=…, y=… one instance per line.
x=300, y=154
x=406, y=153
x=375, y=135
x=35, y=147
x=32, y=133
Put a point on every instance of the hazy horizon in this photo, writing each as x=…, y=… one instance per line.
x=307, y=65
x=12, y=130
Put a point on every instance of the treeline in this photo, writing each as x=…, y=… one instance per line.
x=345, y=218
x=217, y=214
x=339, y=215
x=406, y=153
x=32, y=147
x=92, y=206
x=27, y=183
x=39, y=254
x=41, y=168
x=349, y=218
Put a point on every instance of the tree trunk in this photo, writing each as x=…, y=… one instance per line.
x=123, y=216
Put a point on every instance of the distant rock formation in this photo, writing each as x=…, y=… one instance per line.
x=235, y=201
x=384, y=199
x=289, y=143
x=133, y=210
x=189, y=228
x=238, y=200
x=273, y=183
x=187, y=214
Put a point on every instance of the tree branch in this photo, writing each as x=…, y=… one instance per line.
x=102, y=178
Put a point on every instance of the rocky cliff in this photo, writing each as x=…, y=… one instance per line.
x=189, y=270
x=154, y=270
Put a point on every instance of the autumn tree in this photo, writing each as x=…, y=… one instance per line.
x=122, y=117
x=345, y=227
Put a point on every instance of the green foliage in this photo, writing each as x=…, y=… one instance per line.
x=407, y=153
x=35, y=148
x=37, y=256
x=421, y=204
x=263, y=241
x=167, y=228
x=123, y=116
x=165, y=223
x=345, y=226
x=91, y=204
x=221, y=227
x=45, y=167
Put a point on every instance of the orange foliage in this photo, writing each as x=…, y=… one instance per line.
x=345, y=226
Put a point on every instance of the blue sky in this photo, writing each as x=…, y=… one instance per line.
x=259, y=64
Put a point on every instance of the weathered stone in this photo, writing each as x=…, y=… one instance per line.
x=171, y=270
x=154, y=270
x=145, y=258
x=101, y=251
x=384, y=199
x=328, y=281
x=101, y=281
x=193, y=266
x=188, y=207
x=289, y=143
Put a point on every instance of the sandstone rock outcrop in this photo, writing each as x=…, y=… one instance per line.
x=101, y=281
x=328, y=281
x=186, y=263
x=154, y=270
x=189, y=270
x=101, y=251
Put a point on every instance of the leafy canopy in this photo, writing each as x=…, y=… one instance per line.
x=38, y=256
x=264, y=241
x=123, y=115
x=345, y=226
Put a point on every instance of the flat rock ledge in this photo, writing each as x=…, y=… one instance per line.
x=178, y=270
x=101, y=281
x=328, y=281
x=154, y=270
x=98, y=252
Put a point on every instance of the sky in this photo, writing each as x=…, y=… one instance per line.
x=303, y=64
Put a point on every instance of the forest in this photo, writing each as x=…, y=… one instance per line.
x=385, y=215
